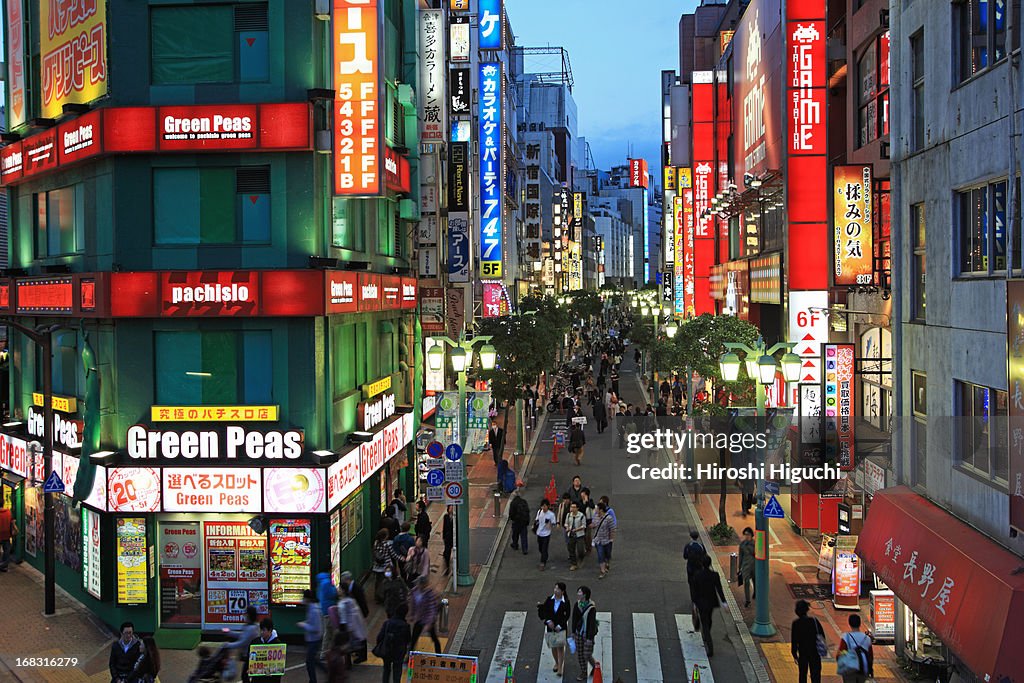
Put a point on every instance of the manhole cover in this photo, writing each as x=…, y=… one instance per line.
x=807, y=569
x=811, y=591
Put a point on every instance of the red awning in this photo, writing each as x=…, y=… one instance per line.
x=954, y=578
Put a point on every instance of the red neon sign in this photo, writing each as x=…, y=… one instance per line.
x=396, y=171
x=357, y=119
x=638, y=173
x=369, y=293
x=208, y=293
x=53, y=295
x=223, y=127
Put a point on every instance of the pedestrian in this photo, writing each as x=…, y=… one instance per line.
x=601, y=415
x=268, y=636
x=615, y=526
x=519, y=516
x=338, y=665
x=693, y=553
x=542, y=526
x=249, y=633
x=393, y=645
x=576, y=442
x=346, y=616
x=405, y=539
x=384, y=558
x=575, y=491
x=312, y=631
x=584, y=630
x=390, y=524
x=126, y=654
x=856, y=659
x=636, y=357
x=328, y=596
x=423, y=603
x=496, y=440
x=575, y=536
x=398, y=508
x=395, y=592
x=417, y=562
x=604, y=527
x=554, y=612
x=613, y=376
x=149, y=668
x=747, y=497
x=587, y=507
x=708, y=594
x=423, y=524
x=745, y=575
x=448, y=537
x=563, y=508
x=356, y=591
x=8, y=535
x=804, y=646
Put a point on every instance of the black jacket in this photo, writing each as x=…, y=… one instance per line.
x=391, y=524
x=577, y=621
x=600, y=412
x=546, y=612
x=804, y=643
x=122, y=662
x=401, y=635
x=423, y=524
x=359, y=595
x=693, y=553
x=496, y=438
x=519, y=511
x=707, y=589
x=448, y=528
x=576, y=439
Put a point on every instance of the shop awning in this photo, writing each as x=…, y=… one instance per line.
x=952, y=576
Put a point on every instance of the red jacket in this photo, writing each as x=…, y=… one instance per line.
x=6, y=525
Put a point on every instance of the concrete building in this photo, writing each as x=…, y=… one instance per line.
x=616, y=235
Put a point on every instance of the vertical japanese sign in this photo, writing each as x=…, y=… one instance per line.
x=91, y=553
x=852, y=225
x=459, y=87
x=132, y=563
x=839, y=398
x=73, y=53
x=458, y=39
x=16, y=105
x=432, y=86
x=459, y=243
x=290, y=554
x=532, y=202
x=336, y=547
x=491, y=171
x=495, y=303
x=357, y=119
x=703, y=146
x=491, y=33
x=807, y=181
x=688, y=226
x=1015, y=370
x=638, y=173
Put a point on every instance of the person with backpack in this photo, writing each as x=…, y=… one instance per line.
x=327, y=594
x=584, y=630
x=554, y=612
x=393, y=645
x=856, y=660
x=693, y=553
x=519, y=516
x=808, y=643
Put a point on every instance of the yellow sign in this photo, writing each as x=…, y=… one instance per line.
x=73, y=49
x=8, y=494
x=63, y=404
x=684, y=178
x=213, y=414
x=378, y=387
x=724, y=38
x=267, y=660
x=670, y=178
x=441, y=668
x=459, y=5
x=132, y=580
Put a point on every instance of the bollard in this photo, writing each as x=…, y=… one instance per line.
x=442, y=616
x=734, y=563
x=497, y=503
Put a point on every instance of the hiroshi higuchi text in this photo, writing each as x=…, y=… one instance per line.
x=780, y=473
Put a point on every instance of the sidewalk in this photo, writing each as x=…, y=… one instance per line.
x=793, y=561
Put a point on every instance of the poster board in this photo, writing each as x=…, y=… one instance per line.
x=437, y=668
x=290, y=560
x=235, y=571
x=132, y=561
x=267, y=660
x=826, y=553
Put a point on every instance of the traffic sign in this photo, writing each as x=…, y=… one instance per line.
x=581, y=420
x=772, y=487
x=454, y=471
x=435, y=493
x=435, y=477
x=453, y=452
x=773, y=510
x=453, y=489
x=53, y=484
x=435, y=449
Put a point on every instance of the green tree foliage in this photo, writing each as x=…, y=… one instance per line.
x=585, y=304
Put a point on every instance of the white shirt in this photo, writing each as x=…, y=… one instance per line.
x=545, y=521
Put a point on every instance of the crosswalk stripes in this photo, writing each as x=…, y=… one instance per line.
x=547, y=663
x=648, y=652
x=694, y=653
x=603, y=644
x=507, y=649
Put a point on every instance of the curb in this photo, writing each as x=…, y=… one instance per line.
x=456, y=641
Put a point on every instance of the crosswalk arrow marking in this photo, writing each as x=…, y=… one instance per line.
x=53, y=484
x=773, y=510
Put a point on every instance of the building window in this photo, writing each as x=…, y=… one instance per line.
x=917, y=83
x=68, y=376
x=873, y=91
x=919, y=449
x=60, y=221
x=982, y=215
x=345, y=354
x=918, y=288
x=213, y=367
x=196, y=206
x=981, y=31
x=983, y=430
x=222, y=43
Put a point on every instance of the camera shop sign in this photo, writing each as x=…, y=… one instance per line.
x=378, y=406
x=230, y=443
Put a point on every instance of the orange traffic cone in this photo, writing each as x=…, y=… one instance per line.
x=551, y=492
x=554, y=453
x=598, y=676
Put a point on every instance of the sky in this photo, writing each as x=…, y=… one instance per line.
x=617, y=51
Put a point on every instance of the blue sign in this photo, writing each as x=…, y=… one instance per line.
x=453, y=489
x=453, y=452
x=491, y=169
x=772, y=487
x=53, y=484
x=773, y=510
x=435, y=449
x=491, y=35
x=435, y=477
x=458, y=247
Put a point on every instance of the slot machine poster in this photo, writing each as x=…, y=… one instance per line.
x=236, y=572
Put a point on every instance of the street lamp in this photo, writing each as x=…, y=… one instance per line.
x=461, y=356
x=761, y=368
x=671, y=329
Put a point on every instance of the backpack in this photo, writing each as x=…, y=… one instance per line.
x=850, y=662
x=385, y=642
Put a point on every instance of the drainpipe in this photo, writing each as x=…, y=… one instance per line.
x=1012, y=199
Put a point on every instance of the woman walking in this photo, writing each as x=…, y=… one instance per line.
x=393, y=645
x=384, y=559
x=417, y=562
x=576, y=442
x=745, y=577
x=584, y=630
x=554, y=612
x=543, y=524
x=604, y=527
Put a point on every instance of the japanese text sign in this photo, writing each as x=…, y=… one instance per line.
x=491, y=26
x=211, y=489
x=16, y=105
x=852, y=225
x=839, y=402
x=1015, y=370
x=73, y=53
x=132, y=559
x=491, y=170
x=432, y=82
x=357, y=117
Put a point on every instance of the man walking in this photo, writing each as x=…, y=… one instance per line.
x=423, y=612
x=804, y=646
x=708, y=594
x=519, y=516
x=576, y=532
x=693, y=553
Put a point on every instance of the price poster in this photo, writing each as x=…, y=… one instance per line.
x=336, y=547
x=132, y=563
x=267, y=660
x=236, y=572
x=33, y=520
x=181, y=573
x=290, y=558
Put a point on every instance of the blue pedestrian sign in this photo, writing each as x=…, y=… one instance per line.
x=771, y=487
x=435, y=477
x=435, y=449
x=773, y=510
x=53, y=484
x=453, y=452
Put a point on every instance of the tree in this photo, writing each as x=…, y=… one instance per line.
x=586, y=304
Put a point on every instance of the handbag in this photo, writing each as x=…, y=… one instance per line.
x=819, y=642
x=555, y=639
x=535, y=525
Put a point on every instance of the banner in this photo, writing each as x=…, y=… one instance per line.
x=1015, y=370
x=853, y=225
x=267, y=660
x=431, y=86
x=491, y=26
x=290, y=556
x=92, y=576
x=73, y=53
x=357, y=82
x=459, y=246
x=839, y=404
x=16, y=105
x=458, y=39
x=236, y=572
x=491, y=137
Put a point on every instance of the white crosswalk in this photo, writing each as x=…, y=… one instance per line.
x=647, y=647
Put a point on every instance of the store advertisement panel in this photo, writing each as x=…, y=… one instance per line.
x=846, y=574
x=34, y=529
x=133, y=489
x=294, y=490
x=336, y=548
x=236, y=573
x=343, y=478
x=72, y=54
x=357, y=116
x=290, y=555
x=92, y=573
x=211, y=489
x=67, y=533
x=132, y=565
x=181, y=573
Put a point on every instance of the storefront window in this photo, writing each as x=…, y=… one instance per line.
x=920, y=642
x=213, y=367
x=351, y=518
x=876, y=377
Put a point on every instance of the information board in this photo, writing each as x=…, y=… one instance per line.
x=290, y=560
x=91, y=562
x=131, y=561
x=236, y=572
